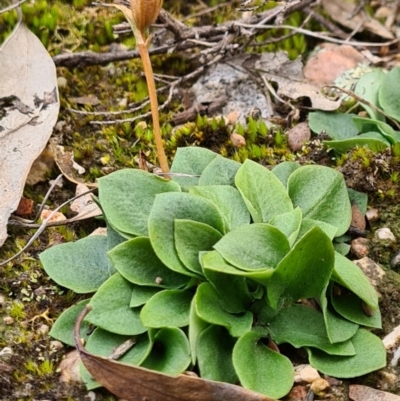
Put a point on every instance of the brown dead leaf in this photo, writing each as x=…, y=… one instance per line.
x=364, y=393
x=342, y=12
x=295, y=89
x=68, y=167
x=134, y=383
x=84, y=206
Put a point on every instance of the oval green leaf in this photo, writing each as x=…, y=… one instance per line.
x=370, y=356
x=302, y=326
x=209, y=309
x=254, y=247
x=126, y=197
x=389, y=93
x=261, y=369
x=192, y=237
x=214, y=354
x=111, y=311
x=264, y=194
x=321, y=194
x=171, y=206
x=170, y=353
x=220, y=171
x=81, y=266
x=167, y=308
x=137, y=262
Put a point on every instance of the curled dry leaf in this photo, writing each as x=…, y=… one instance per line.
x=84, y=206
x=135, y=383
x=29, y=108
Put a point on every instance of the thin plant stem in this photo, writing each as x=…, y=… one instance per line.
x=148, y=72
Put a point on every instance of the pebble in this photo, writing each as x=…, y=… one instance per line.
x=319, y=386
x=372, y=215
x=371, y=269
x=8, y=320
x=357, y=218
x=305, y=373
x=43, y=329
x=62, y=82
x=385, y=234
x=359, y=247
x=238, y=140
x=69, y=368
x=298, y=135
x=395, y=262
x=56, y=345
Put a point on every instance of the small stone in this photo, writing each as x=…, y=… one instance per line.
x=40, y=291
x=238, y=140
x=6, y=351
x=57, y=216
x=372, y=215
x=319, y=387
x=232, y=117
x=99, y=231
x=357, y=218
x=158, y=280
x=305, y=373
x=297, y=393
x=392, y=339
x=385, y=234
x=56, y=345
x=359, y=247
x=395, y=262
x=90, y=396
x=62, y=82
x=8, y=320
x=371, y=269
x=2, y=300
x=43, y=329
x=25, y=207
x=142, y=124
x=123, y=103
x=69, y=368
x=298, y=135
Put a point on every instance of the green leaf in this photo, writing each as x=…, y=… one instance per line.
x=126, y=197
x=192, y=237
x=302, y=326
x=81, y=266
x=263, y=193
x=220, y=171
x=111, y=310
x=289, y=224
x=63, y=328
x=348, y=274
x=196, y=326
x=321, y=194
x=229, y=203
x=389, y=93
x=192, y=161
x=261, y=369
x=254, y=247
x=373, y=140
x=370, y=356
x=350, y=307
x=136, y=261
x=367, y=88
x=358, y=198
x=304, y=271
x=283, y=171
x=308, y=224
x=213, y=261
x=170, y=353
x=169, y=207
x=342, y=248
x=167, y=308
x=103, y=343
x=141, y=294
x=337, y=328
x=367, y=125
x=234, y=295
x=337, y=125
x=214, y=350
x=209, y=309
